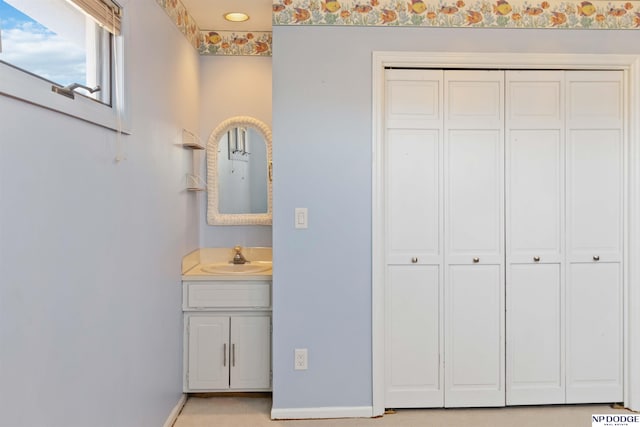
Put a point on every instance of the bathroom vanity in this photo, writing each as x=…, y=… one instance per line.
x=227, y=320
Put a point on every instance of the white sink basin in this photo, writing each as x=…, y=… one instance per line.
x=226, y=268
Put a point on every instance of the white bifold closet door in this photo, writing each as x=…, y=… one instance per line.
x=444, y=295
x=564, y=222
x=535, y=237
x=414, y=275
x=503, y=193
x=594, y=204
x=474, y=238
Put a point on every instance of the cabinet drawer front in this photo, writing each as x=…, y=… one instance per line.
x=207, y=295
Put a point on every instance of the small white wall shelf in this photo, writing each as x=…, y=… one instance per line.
x=191, y=141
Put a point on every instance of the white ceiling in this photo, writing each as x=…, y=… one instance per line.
x=208, y=14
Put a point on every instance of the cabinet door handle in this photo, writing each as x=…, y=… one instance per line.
x=414, y=259
x=233, y=355
x=596, y=257
x=536, y=258
x=476, y=260
x=224, y=355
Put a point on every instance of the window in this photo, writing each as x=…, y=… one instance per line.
x=58, y=43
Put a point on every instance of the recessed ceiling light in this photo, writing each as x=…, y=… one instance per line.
x=236, y=16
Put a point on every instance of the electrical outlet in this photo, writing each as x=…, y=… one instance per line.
x=300, y=362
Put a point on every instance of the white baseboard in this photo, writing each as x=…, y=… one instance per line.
x=325, y=412
x=173, y=416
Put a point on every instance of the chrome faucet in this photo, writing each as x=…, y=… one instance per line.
x=238, y=258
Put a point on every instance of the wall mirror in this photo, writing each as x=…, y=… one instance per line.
x=239, y=173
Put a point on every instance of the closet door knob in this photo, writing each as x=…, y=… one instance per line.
x=536, y=258
x=596, y=257
x=476, y=260
x=414, y=260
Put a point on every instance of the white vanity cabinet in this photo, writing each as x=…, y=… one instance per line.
x=227, y=335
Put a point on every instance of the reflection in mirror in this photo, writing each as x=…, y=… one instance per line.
x=242, y=169
x=238, y=173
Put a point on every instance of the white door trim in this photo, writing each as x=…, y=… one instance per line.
x=630, y=64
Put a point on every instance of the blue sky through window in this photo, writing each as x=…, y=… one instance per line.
x=8, y=15
x=29, y=45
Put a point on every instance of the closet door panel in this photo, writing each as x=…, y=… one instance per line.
x=474, y=369
x=413, y=196
x=595, y=188
x=413, y=337
x=535, y=198
x=595, y=193
x=474, y=238
x=594, y=333
x=413, y=240
x=595, y=99
x=534, y=99
x=474, y=99
x=535, y=368
x=474, y=195
x=413, y=99
x=535, y=237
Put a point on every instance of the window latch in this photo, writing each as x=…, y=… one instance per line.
x=69, y=90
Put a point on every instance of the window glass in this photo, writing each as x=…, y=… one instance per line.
x=56, y=41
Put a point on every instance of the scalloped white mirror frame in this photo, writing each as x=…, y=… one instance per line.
x=214, y=217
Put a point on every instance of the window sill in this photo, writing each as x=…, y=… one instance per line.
x=17, y=84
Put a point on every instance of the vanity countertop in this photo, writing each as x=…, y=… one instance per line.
x=197, y=273
x=213, y=264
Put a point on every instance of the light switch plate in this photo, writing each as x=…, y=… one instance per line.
x=301, y=218
x=301, y=362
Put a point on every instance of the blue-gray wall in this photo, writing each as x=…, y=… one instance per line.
x=322, y=119
x=90, y=250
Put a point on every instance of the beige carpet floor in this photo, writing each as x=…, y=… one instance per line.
x=254, y=412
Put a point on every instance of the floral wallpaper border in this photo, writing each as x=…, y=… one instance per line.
x=570, y=14
x=256, y=43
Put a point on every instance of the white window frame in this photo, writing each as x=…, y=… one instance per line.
x=26, y=87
